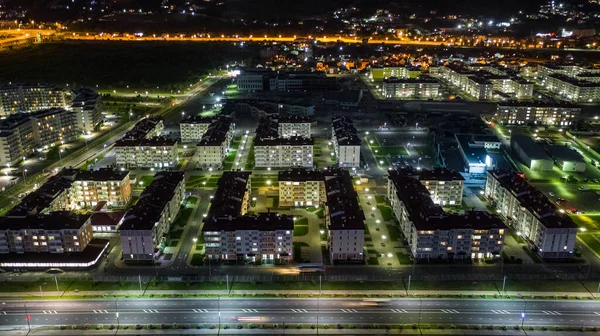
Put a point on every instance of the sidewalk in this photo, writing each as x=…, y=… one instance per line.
x=340, y=293
x=293, y=331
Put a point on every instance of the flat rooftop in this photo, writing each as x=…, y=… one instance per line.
x=300, y=175
x=87, y=258
x=530, y=147
x=564, y=153
x=342, y=201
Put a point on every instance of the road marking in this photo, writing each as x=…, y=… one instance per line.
x=399, y=310
x=551, y=312
x=300, y=310
x=450, y=311
x=349, y=311
x=150, y=311
x=596, y=313
x=3, y=312
x=500, y=312
x=200, y=310
x=100, y=311
x=49, y=311
x=250, y=310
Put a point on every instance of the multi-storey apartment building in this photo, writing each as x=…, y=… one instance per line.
x=431, y=233
x=293, y=126
x=346, y=142
x=56, y=232
x=301, y=187
x=20, y=98
x=23, y=133
x=572, y=89
x=193, y=128
x=479, y=88
x=381, y=73
x=86, y=106
x=422, y=87
x=273, y=150
x=146, y=224
x=144, y=147
x=283, y=152
x=146, y=128
x=230, y=234
x=549, y=233
x=548, y=69
x=73, y=189
x=251, y=80
x=538, y=113
x=102, y=185
x=344, y=219
x=445, y=185
x=214, y=145
x=156, y=153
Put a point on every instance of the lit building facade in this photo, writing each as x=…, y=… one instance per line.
x=549, y=233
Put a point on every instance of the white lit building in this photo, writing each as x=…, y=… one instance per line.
x=538, y=113
x=549, y=233
x=29, y=98
x=422, y=87
x=346, y=142
x=344, y=219
x=301, y=187
x=214, y=145
x=146, y=225
x=231, y=234
x=431, y=233
x=193, y=128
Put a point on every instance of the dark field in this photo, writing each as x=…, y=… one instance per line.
x=117, y=64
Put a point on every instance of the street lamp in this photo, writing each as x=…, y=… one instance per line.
x=24, y=175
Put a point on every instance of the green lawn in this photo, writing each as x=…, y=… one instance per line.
x=453, y=285
x=373, y=261
x=380, y=198
x=386, y=212
x=229, y=161
x=301, y=221
x=403, y=258
x=206, y=181
x=183, y=217
x=591, y=241
x=300, y=230
x=145, y=180
x=394, y=232
x=176, y=234
x=197, y=259
x=320, y=213
x=589, y=222
x=388, y=150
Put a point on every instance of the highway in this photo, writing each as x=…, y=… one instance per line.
x=294, y=311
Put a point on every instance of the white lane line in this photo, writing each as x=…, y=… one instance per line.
x=450, y=311
x=399, y=310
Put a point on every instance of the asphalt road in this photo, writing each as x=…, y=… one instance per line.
x=293, y=311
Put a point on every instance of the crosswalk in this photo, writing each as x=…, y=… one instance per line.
x=450, y=311
x=200, y=310
x=49, y=311
x=250, y=310
x=150, y=311
x=399, y=310
x=551, y=312
x=300, y=310
x=500, y=312
x=100, y=311
x=349, y=310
